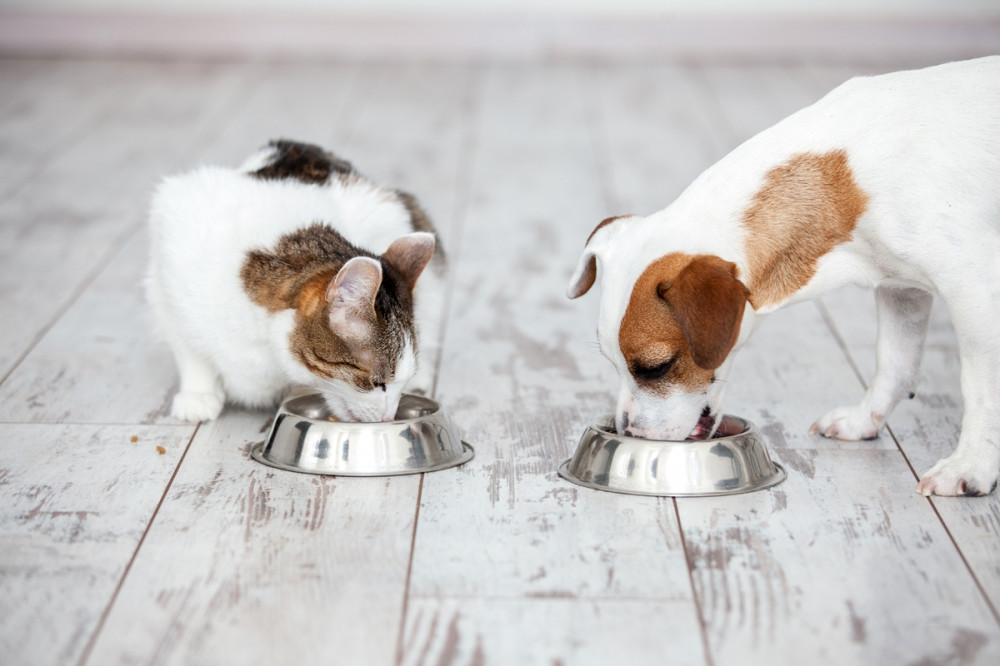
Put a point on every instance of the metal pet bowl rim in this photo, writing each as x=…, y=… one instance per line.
x=604, y=425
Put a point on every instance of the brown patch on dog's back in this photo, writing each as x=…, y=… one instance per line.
x=651, y=330
x=301, y=161
x=805, y=208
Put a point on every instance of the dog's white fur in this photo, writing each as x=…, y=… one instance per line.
x=924, y=146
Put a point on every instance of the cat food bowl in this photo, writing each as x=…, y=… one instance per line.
x=303, y=438
x=734, y=461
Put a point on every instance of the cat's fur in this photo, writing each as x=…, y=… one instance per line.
x=293, y=269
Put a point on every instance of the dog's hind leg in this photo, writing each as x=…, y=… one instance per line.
x=902, y=327
x=974, y=466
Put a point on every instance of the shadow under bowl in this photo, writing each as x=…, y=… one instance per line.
x=303, y=438
x=734, y=461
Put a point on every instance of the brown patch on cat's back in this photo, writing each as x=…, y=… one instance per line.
x=805, y=208
x=268, y=281
x=304, y=162
x=278, y=279
x=311, y=296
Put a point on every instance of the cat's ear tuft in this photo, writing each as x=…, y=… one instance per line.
x=351, y=296
x=410, y=255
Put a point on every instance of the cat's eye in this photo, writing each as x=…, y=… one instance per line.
x=653, y=372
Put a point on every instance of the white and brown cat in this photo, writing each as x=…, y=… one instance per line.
x=293, y=269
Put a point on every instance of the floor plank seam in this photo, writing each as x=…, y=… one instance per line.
x=463, y=194
x=968, y=566
x=92, y=641
x=64, y=146
x=703, y=629
x=409, y=575
x=832, y=326
x=126, y=235
x=828, y=319
x=113, y=249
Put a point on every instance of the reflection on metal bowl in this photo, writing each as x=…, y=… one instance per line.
x=734, y=461
x=303, y=438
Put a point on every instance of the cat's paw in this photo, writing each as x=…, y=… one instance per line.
x=954, y=476
x=848, y=423
x=197, y=407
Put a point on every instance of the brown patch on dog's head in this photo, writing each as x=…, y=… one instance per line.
x=805, y=208
x=586, y=272
x=682, y=320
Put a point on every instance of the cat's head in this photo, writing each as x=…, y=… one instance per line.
x=355, y=332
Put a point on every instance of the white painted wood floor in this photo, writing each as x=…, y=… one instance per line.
x=127, y=537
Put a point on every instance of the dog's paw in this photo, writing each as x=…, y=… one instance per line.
x=848, y=423
x=955, y=476
x=197, y=407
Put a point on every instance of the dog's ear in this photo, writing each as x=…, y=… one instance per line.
x=708, y=301
x=584, y=276
x=586, y=268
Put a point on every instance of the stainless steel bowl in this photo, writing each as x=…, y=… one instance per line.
x=734, y=461
x=304, y=439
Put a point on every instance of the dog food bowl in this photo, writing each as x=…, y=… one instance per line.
x=734, y=461
x=304, y=439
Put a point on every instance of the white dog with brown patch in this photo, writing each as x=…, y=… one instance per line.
x=890, y=181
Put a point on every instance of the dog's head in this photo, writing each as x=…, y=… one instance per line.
x=668, y=322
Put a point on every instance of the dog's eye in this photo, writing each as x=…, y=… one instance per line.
x=653, y=372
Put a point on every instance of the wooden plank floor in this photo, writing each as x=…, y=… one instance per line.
x=129, y=538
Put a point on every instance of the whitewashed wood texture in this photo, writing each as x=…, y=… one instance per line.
x=79, y=206
x=520, y=375
x=199, y=555
x=76, y=500
x=303, y=555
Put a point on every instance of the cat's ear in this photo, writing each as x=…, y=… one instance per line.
x=351, y=296
x=410, y=254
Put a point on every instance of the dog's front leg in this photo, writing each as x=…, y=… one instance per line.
x=902, y=326
x=975, y=465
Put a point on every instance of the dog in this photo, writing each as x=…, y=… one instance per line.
x=891, y=182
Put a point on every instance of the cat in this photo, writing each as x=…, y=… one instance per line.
x=293, y=270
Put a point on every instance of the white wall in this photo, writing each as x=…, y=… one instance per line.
x=849, y=8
